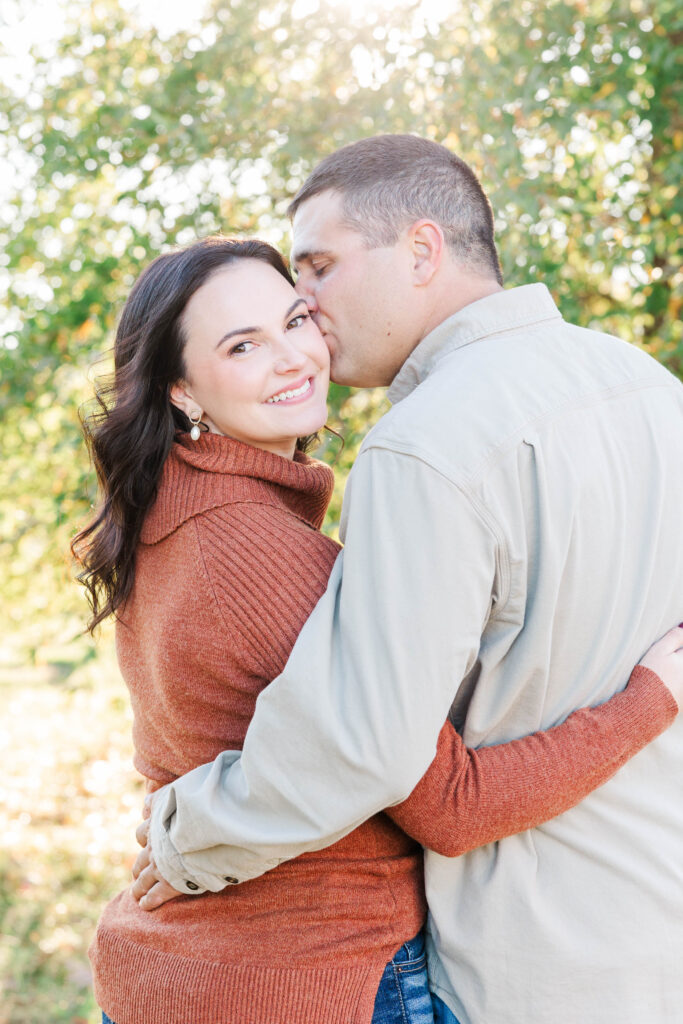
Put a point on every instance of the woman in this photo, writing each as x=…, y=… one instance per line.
x=207, y=546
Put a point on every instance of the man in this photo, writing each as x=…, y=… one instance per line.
x=512, y=546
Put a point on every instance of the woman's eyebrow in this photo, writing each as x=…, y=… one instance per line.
x=238, y=330
x=293, y=307
x=256, y=330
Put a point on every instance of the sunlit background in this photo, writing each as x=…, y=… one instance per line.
x=129, y=127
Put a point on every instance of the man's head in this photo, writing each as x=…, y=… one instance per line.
x=392, y=235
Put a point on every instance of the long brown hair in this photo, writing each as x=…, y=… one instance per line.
x=131, y=429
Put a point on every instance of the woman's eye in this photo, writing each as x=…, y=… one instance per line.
x=319, y=270
x=241, y=347
x=298, y=320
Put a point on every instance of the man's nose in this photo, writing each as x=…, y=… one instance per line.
x=304, y=287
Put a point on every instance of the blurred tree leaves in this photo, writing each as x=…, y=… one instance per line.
x=127, y=142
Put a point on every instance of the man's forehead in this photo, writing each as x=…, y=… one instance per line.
x=317, y=227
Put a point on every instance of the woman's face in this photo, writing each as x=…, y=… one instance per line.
x=257, y=366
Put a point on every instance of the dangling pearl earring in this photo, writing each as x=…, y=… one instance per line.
x=195, y=432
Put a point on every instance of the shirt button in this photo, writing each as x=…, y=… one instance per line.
x=231, y=880
x=192, y=886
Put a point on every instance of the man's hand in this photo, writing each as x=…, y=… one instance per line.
x=149, y=888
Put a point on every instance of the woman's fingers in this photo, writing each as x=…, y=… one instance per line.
x=675, y=637
x=666, y=659
x=670, y=643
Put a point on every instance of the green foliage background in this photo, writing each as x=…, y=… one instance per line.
x=127, y=142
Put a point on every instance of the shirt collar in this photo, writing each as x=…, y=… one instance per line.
x=502, y=311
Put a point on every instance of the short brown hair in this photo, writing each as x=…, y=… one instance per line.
x=389, y=181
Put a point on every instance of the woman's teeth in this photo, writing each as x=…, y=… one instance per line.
x=291, y=394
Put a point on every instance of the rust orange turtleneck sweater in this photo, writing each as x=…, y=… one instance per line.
x=231, y=563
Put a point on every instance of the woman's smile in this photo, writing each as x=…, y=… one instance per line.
x=297, y=393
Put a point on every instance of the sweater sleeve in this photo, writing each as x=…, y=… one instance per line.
x=266, y=570
x=471, y=797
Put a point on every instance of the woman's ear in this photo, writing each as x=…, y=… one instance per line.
x=181, y=397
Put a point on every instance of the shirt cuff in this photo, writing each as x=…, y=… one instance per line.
x=197, y=870
x=169, y=862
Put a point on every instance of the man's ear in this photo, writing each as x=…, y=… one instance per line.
x=181, y=397
x=427, y=245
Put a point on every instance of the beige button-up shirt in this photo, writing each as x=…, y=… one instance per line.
x=513, y=543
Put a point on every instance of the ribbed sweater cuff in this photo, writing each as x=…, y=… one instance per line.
x=644, y=710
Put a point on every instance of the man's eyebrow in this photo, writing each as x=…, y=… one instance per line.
x=256, y=330
x=307, y=255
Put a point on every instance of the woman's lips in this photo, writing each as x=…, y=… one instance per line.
x=290, y=396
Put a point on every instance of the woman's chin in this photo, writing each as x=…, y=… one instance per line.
x=311, y=423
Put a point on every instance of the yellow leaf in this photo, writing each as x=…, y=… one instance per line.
x=605, y=90
x=85, y=330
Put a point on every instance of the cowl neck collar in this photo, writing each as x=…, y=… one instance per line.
x=216, y=470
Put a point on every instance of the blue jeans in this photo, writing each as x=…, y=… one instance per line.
x=442, y=1015
x=403, y=994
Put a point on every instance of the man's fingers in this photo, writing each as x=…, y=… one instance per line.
x=142, y=861
x=142, y=832
x=147, y=805
x=144, y=881
x=149, y=888
x=159, y=894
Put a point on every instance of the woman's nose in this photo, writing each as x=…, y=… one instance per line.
x=289, y=357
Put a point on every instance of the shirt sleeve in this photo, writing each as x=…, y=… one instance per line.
x=352, y=723
x=471, y=797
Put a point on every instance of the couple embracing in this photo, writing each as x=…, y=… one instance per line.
x=428, y=736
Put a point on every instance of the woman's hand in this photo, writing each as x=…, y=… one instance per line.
x=666, y=659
